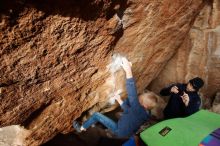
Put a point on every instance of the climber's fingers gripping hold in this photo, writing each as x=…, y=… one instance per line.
x=126, y=65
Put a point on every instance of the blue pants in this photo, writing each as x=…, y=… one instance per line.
x=98, y=117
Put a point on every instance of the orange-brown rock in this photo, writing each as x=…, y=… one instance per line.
x=216, y=104
x=56, y=56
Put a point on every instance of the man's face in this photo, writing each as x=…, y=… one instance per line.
x=189, y=87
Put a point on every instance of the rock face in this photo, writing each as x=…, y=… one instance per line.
x=56, y=56
x=216, y=104
x=199, y=55
x=12, y=135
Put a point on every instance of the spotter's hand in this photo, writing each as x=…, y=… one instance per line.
x=174, y=89
x=185, y=99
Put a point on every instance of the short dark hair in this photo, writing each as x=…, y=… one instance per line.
x=197, y=83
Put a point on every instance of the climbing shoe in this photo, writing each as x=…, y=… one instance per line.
x=77, y=126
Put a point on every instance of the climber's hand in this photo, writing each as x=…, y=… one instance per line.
x=118, y=98
x=126, y=65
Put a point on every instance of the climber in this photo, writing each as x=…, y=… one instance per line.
x=184, y=99
x=136, y=110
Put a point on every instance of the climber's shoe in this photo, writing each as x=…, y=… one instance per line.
x=77, y=126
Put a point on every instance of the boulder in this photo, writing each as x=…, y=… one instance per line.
x=56, y=56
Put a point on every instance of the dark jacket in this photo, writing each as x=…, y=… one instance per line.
x=134, y=115
x=175, y=107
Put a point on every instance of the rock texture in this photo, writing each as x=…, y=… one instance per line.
x=12, y=135
x=216, y=104
x=199, y=55
x=55, y=55
x=51, y=63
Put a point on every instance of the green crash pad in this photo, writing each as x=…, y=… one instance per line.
x=187, y=131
